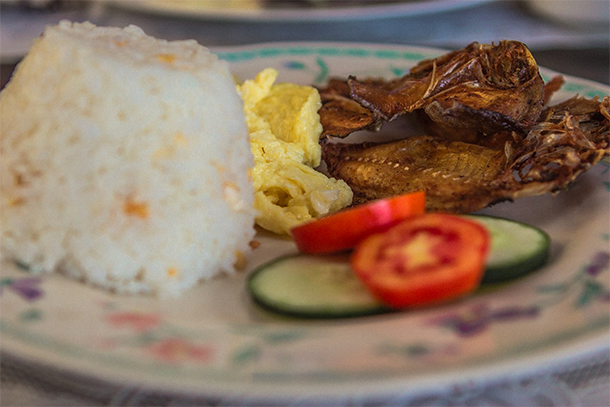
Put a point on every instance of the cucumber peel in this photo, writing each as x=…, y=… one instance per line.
x=517, y=248
x=309, y=286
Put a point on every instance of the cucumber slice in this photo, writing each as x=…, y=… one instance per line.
x=308, y=286
x=516, y=248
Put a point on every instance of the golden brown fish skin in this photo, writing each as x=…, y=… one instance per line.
x=461, y=177
x=456, y=176
x=487, y=87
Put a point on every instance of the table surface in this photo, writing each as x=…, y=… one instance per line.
x=577, y=49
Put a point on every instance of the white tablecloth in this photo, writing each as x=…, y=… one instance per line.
x=579, y=382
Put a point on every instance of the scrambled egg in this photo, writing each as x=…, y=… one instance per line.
x=284, y=128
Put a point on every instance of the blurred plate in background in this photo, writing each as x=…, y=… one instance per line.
x=295, y=10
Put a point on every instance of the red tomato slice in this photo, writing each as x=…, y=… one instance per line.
x=344, y=229
x=423, y=260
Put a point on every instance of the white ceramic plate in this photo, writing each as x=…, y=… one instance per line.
x=260, y=10
x=213, y=341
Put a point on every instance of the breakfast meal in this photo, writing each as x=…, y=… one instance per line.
x=143, y=166
x=125, y=161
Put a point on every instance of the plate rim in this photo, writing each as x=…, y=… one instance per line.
x=527, y=363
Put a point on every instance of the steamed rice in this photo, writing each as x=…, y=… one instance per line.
x=124, y=161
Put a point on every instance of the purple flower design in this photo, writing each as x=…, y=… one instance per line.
x=27, y=287
x=478, y=318
x=592, y=289
x=600, y=261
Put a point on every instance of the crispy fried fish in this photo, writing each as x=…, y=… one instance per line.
x=495, y=86
x=462, y=177
x=472, y=135
x=571, y=137
x=487, y=87
x=455, y=175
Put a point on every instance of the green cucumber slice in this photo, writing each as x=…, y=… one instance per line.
x=308, y=286
x=516, y=248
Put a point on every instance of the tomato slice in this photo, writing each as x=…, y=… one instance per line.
x=344, y=229
x=424, y=260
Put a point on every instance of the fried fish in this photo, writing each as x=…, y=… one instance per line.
x=462, y=177
x=484, y=87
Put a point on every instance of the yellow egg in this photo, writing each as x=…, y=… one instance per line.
x=285, y=128
x=292, y=113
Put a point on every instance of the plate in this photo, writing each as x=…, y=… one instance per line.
x=214, y=341
x=281, y=11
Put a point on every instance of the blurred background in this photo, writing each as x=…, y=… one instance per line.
x=570, y=36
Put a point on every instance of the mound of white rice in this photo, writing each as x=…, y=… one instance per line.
x=124, y=161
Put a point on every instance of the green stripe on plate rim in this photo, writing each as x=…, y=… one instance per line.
x=353, y=52
x=245, y=55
